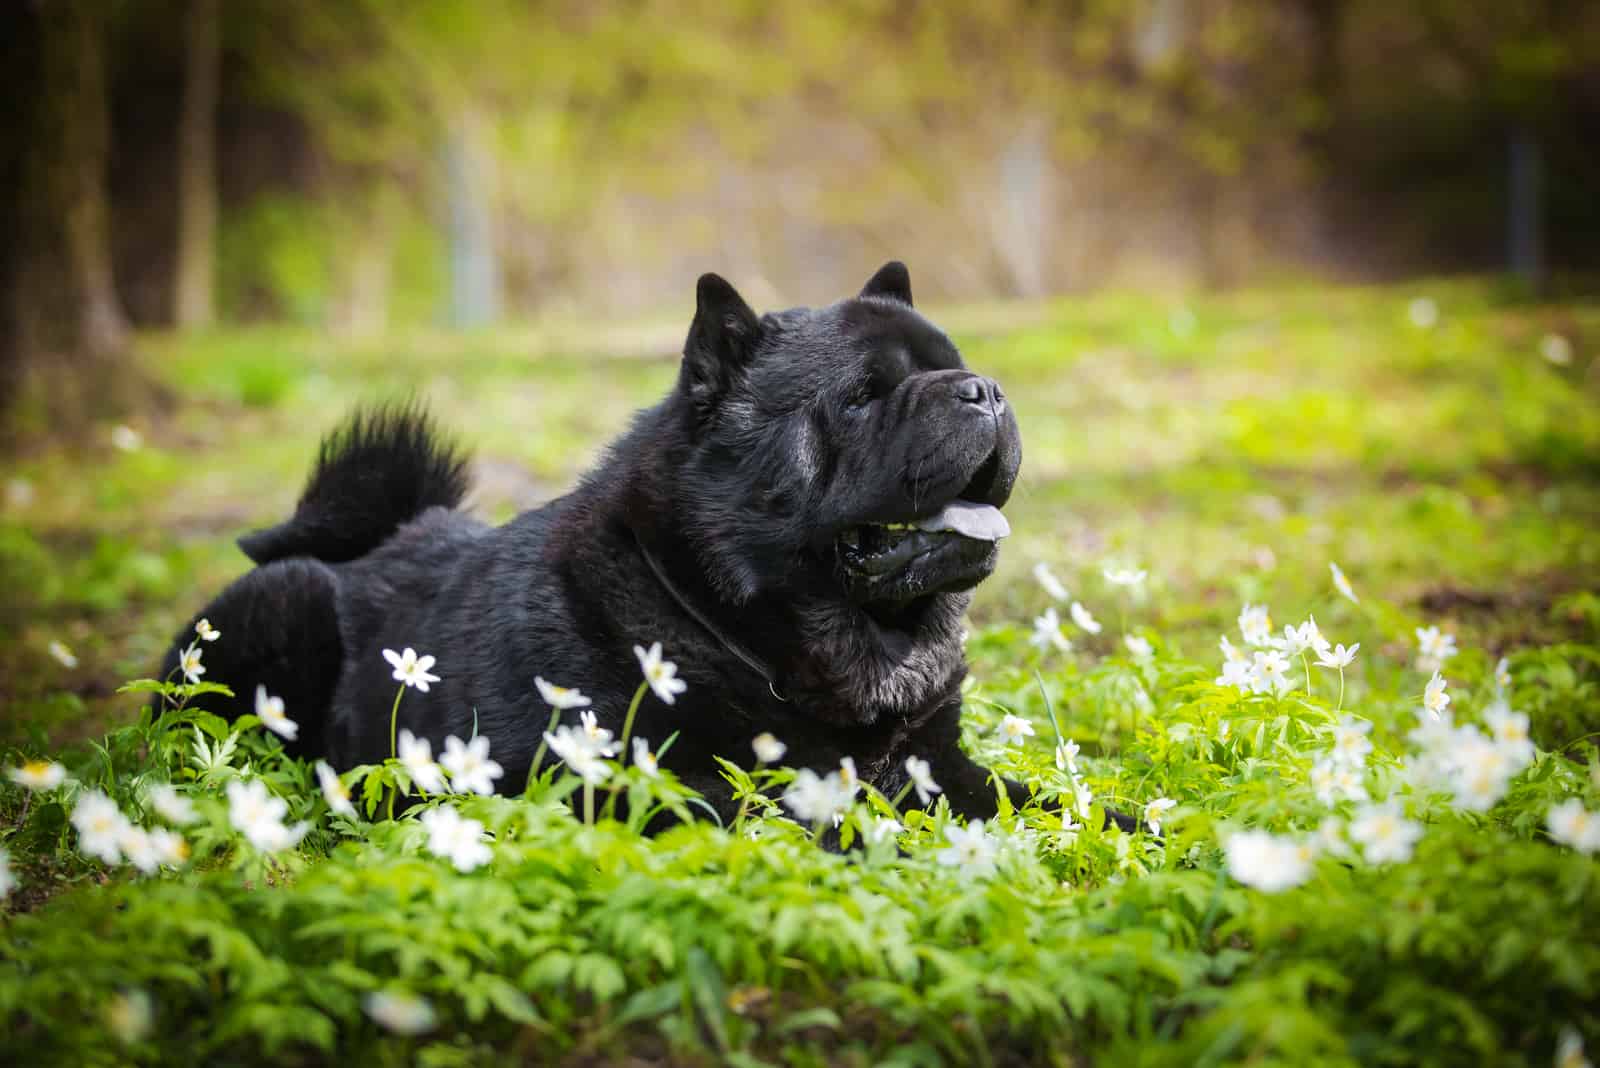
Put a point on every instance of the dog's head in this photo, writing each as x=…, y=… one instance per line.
x=842, y=458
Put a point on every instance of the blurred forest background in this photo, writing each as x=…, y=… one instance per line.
x=363, y=166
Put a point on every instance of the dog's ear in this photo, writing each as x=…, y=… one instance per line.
x=721, y=341
x=892, y=281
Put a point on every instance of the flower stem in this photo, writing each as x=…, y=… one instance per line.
x=1340, y=705
x=394, y=720
x=901, y=796
x=1307, y=665
x=538, y=754
x=588, y=803
x=633, y=708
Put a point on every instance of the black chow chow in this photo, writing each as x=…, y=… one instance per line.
x=799, y=523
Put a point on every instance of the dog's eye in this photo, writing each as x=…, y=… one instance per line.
x=860, y=396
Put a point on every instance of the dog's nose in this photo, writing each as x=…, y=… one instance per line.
x=986, y=392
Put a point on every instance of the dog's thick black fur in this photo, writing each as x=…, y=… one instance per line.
x=754, y=522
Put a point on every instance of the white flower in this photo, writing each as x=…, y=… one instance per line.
x=1255, y=624
x=1434, y=699
x=410, y=668
x=1139, y=647
x=8, y=881
x=189, y=663
x=645, y=760
x=972, y=848
x=456, y=838
x=768, y=749
x=847, y=774
x=598, y=737
x=138, y=849
x=1510, y=732
x=1083, y=801
x=269, y=710
x=1479, y=770
x=1013, y=729
x=1502, y=674
x=38, y=774
x=1384, y=833
x=1052, y=585
x=1047, y=632
x=170, y=805
x=922, y=779
x=1556, y=349
x=1081, y=616
x=660, y=674
x=99, y=822
x=1342, y=584
x=1153, y=811
x=1334, y=782
x=1267, y=862
x=129, y=1015
x=1434, y=648
x=169, y=847
x=258, y=815
x=403, y=1014
x=126, y=438
x=1067, y=756
x=1124, y=576
x=1297, y=640
x=579, y=751
x=471, y=770
x=333, y=791
x=1573, y=825
x=206, y=631
x=1329, y=838
x=560, y=697
x=1238, y=674
x=1423, y=313
x=1230, y=654
x=1338, y=656
x=1269, y=672
x=416, y=756
x=815, y=798
x=1350, y=743
x=64, y=656
x=884, y=828
x=1569, y=1049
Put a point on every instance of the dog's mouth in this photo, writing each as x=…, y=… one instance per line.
x=882, y=548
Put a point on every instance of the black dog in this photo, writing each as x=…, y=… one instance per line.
x=799, y=523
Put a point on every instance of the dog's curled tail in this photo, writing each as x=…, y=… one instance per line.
x=381, y=468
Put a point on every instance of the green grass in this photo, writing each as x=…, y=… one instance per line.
x=1233, y=446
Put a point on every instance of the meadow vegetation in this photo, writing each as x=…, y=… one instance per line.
x=1374, y=855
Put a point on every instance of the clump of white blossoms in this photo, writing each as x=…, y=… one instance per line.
x=270, y=711
x=1434, y=647
x=416, y=756
x=922, y=778
x=1014, y=729
x=815, y=798
x=456, y=838
x=767, y=748
x=661, y=674
x=258, y=815
x=170, y=805
x=1434, y=699
x=1384, y=834
x=471, y=770
x=1138, y=647
x=1047, y=632
x=1573, y=825
x=584, y=748
x=38, y=775
x=206, y=631
x=1268, y=862
x=410, y=669
x=1081, y=616
x=1334, y=781
x=334, y=791
x=560, y=697
x=972, y=848
x=1255, y=625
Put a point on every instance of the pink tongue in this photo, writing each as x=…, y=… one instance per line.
x=981, y=522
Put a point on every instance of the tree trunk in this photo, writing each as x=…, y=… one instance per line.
x=193, y=302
